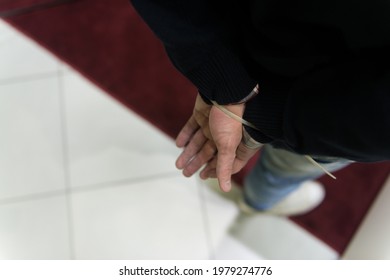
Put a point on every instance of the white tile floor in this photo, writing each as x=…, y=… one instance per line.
x=82, y=177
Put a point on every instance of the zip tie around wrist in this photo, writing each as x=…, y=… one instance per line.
x=244, y=122
x=233, y=116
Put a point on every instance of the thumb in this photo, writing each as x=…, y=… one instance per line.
x=224, y=168
x=226, y=133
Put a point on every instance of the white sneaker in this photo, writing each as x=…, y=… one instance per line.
x=307, y=197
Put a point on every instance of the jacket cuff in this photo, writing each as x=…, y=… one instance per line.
x=222, y=78
x=265, y=111
x=205, y=99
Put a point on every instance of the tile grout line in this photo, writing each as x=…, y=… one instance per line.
x=30, y=197
x=119, y=183
x=66, y=162
x=206, y=221
x=28, y=78
x=85, y=188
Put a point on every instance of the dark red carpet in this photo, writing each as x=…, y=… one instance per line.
x=9, y=5
x=107, y=42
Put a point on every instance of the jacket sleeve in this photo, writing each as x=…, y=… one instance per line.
x=197, y=39
x=341, y=110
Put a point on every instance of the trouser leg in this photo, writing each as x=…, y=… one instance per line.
x=278, y=172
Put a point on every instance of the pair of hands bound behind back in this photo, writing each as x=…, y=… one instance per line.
x=212, y=140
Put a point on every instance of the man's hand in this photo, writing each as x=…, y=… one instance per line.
x=243, y=155
x=211, y=137
x=226, y=133
x=195, y=137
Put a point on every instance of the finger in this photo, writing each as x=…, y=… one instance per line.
x=243, y=155
x=225, y=160
x=212, y=173
x=187, y=132
x=210, y=170
x=227, y=134
x=192, y=148
x=205, y=154
x=211, y=165
x=206, y=130
x=203, y=121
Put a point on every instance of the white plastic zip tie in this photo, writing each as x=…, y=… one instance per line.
x=320, y=166
x=244, y=122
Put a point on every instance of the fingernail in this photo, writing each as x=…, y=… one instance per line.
x=227, y=186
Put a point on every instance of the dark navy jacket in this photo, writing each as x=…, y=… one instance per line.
x=323, y=67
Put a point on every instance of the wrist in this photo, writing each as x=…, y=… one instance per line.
x=237, y=109
x=255, y=91
x=248, y=141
